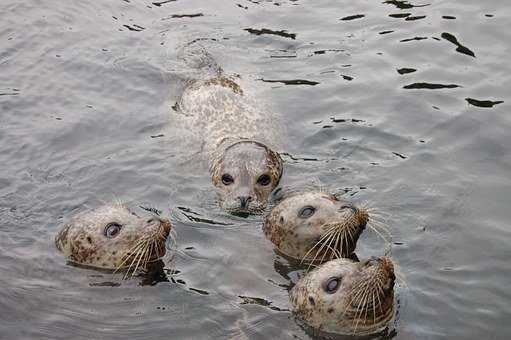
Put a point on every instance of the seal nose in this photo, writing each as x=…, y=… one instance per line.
x=349, y=206
x=244, y=201
x=372, y=261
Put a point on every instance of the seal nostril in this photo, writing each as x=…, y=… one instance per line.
x=244, y=201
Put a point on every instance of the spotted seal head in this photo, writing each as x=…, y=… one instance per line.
x=314, y=226
x=245, y=174
x=346, y=297
x=114, y=237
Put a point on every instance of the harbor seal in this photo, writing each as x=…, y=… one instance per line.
x=314, y=226
x=346, y=297
x=114, y=237
x=236, y=133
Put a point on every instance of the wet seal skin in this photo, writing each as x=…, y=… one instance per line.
x=314, y=226
x=346, y=297
x=236, y=133
x=114, y=237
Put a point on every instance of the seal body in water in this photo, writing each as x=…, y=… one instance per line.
x=237, y=136
x=346, y=297
x=114, y=237
x=314, y=226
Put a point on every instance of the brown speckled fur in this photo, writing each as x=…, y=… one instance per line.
x=295, y=236
x=338, y=311
x=82, y=239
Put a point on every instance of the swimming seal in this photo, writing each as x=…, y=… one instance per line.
x=114, y=237
x=314, y=226
x=236, y=134
x=346, y=297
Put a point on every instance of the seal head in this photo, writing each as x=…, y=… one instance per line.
x=346, y=297
x=245, y=174
x=113, y=237
x=314, y=226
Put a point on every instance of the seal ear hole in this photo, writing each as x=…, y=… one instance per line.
x=281, y=219
x=227, y=179
x=89, y=239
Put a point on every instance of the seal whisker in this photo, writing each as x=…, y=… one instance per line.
x=358, y=310
x=129, y=253
x=329, y=241
x=136, y=259
x=140, y=257
x=332, y=229
x=383, y=225
x=374, y=228
x=323, y=245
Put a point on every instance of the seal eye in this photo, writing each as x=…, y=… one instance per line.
x=227, y=179
x=264, y=180
x=307, y=212
x=332, y=285
x=112, y=229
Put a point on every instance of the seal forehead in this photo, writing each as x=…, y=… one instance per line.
x=245, y=157
x=291, y=205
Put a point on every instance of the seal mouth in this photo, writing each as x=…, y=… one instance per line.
x=338, y=239
x=246, y=211
x=147, y=249
x=371, y=301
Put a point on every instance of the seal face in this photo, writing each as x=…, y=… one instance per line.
x=346, y=297
x=314, y=226
x=245, y=175
x=113, y=237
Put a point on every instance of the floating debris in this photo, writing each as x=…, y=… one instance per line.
x=412, y=39
x=282, y=33
x=291, y=81
x=462, y=49
x=400, y=15
x=352, y=17
x=174, y=16
x=419, y=17
x=200, y=291
x=399, y=155
x=430, y=86
x=403, y=4
x=158, y=4
x=405, y=70
x=483, y=103
x=135, y=28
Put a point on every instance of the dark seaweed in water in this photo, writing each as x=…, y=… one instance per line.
x=483, y=103
x=460, y=48
x=81, y=95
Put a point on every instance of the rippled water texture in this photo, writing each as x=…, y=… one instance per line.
x=404, y=106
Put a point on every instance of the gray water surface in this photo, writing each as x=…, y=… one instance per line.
x=401, y=105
